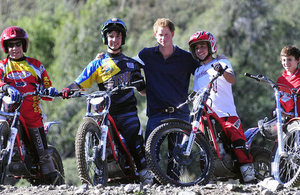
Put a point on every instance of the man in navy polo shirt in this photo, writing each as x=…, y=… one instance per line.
x=167, y=70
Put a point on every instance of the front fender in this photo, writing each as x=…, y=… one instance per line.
x=175, y=120
x=292, y=120
x=47, y=125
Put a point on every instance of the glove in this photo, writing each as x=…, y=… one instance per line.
x=99, y=56
x=51, y=91
x=14, y=94
x=65, y=93
x=217, y=67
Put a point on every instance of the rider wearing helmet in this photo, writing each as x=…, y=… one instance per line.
x=203, y=47
x=112, y=69
x=20, y=74
x=114, y=24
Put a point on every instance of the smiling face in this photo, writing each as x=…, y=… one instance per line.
x=202, y=51
x=289, y=63
x=15, y=49
x=114, y=41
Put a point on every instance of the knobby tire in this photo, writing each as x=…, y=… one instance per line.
x=57, y=164
x=262, y=162
x=87, y=138
x=4, y=133
x=170, y=139
x=286, y=169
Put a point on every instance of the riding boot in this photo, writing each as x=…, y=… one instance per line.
x=137, y=151
x=138, y=155
x=47, y=166
x=248, y=173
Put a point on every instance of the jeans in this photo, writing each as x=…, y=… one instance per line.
x=155, y=120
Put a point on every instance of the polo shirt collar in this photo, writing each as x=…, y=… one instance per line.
x=175, y=46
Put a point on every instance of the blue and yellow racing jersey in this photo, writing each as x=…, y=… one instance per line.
x=111, y=71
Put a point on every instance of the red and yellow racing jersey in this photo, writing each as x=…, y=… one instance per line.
x=26, y=75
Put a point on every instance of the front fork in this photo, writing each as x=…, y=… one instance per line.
x=11, y=142
x=281, y=151
x=104, y=131
x=195, y=125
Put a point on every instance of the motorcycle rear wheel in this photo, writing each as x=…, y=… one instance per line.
x=261, y=161
x=92, y=170
x=286, y=169
x=164, y=154
x=58, y=166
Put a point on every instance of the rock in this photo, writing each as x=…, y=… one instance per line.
x=267, y=192
x=186, y=193
x=270, y=184
x=129, y=188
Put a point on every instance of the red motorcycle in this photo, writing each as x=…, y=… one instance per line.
x=100, y=149
x=185, y=154
x=18, y=158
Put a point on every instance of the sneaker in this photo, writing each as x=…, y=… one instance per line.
x=146, y=177
x=248, y=173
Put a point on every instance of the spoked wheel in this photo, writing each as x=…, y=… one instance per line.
x=90, y=167
x=262, y=162
x=286, y=168
x=4, y=133
x=165, y=153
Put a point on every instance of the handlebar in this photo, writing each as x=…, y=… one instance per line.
x=74, y=93
x=262, y=78
x=194, y=94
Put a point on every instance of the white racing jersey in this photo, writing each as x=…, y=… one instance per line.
x=221, y=97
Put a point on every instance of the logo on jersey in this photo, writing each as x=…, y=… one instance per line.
x=237, y=124
x=18, y=75
x=130, y=65
x=199, y=74
x=121, y=78
x=21, y=84
x=108, y=69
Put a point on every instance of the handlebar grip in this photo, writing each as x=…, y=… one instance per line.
x=247, y=74
x=251, y=76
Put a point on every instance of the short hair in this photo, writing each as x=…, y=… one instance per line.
x=290, y=51
x=163, y=22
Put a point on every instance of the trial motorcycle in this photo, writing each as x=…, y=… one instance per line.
x=18, y=157
x=284, y=131
x=101, y=151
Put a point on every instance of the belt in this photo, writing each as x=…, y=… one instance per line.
x=168, y=110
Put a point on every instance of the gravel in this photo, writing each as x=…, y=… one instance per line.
x=229, y=187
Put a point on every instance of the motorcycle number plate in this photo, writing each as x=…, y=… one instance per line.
x=96, y=101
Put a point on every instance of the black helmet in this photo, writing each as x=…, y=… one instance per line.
x=113, y=24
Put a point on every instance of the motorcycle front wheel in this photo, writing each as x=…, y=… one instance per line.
x=286, y=168
x=165, y=154
x=92, y=170
x=4, y=133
